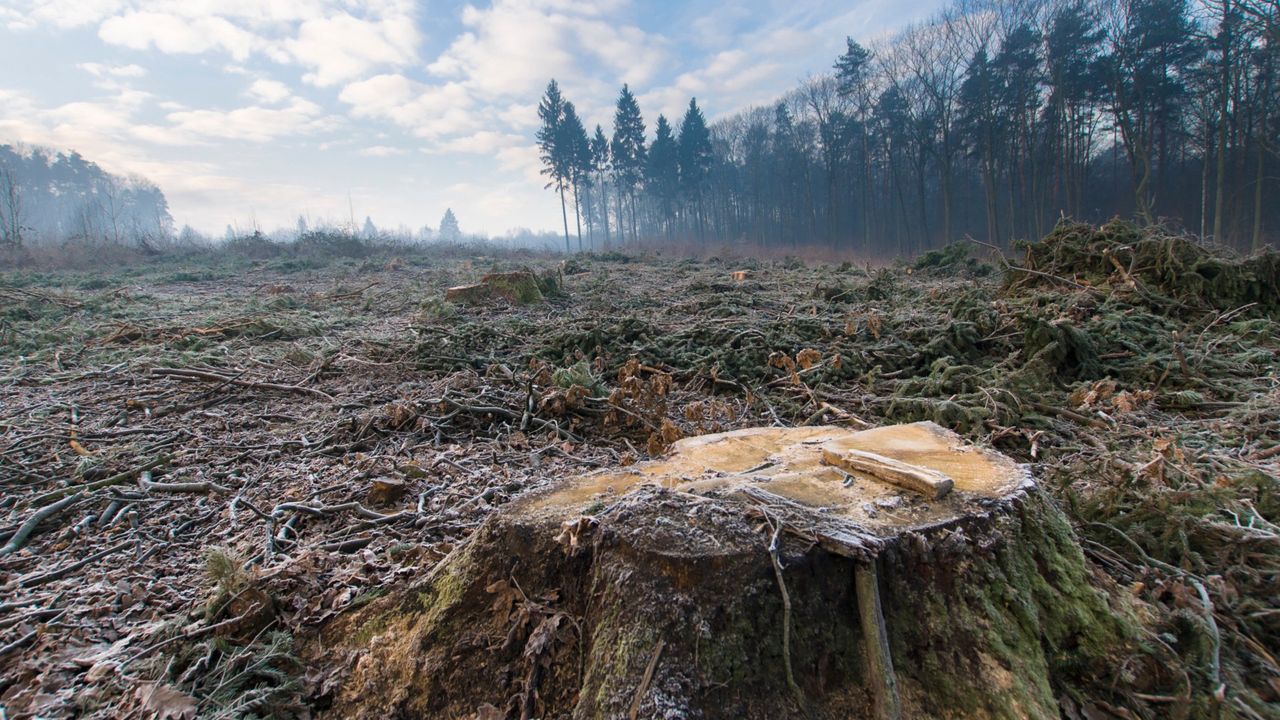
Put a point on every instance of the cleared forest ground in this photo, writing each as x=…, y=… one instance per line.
x=235, y=454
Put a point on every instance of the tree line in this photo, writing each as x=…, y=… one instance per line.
x=48, y=196
x=991, y=120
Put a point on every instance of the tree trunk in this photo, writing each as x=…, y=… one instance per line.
x=709, y=585
x=577, y=215
x=1224, y=92
x=622, y=235
x=604, y=210
x=564, y=215
x=1258, y=206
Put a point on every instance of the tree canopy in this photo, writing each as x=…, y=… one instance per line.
x=991, y=120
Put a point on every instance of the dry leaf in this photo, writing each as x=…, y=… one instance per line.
x=166, y=702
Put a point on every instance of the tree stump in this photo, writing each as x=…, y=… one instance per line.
x=521, y=287
x=750, y=574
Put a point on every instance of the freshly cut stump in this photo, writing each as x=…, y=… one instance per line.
x=750, y=574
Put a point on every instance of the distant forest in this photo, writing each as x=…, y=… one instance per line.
x=992, y=120
x=48, y=196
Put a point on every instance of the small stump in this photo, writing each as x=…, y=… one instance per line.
x=750, y=574
x=519, y=288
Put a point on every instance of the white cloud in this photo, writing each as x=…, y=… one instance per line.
x=514, y=46
x=175, y=34
x=485, y=84
x=343, y=47
x=61, y=13
x=485, y=142
x=100, y=70
x=381, y=151
x=269, y=91
x=333, y=40
x=429, y=111
x=252, y=124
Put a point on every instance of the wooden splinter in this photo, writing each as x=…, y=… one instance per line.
x=930, y=483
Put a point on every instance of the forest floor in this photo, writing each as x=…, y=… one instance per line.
x=201, y=465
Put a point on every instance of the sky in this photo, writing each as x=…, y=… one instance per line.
x=252, y=113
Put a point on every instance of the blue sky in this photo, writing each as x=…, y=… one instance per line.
x=258, y=111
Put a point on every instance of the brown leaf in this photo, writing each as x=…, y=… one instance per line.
x=166, y=702
x=543, y=636
x=571, y=531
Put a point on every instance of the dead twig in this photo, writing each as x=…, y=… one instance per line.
x=774, y=553
x=215, y=377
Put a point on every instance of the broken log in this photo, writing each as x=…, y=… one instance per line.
x=770, y=583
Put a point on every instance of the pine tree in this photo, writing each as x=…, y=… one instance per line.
x=695, y=160
x=1076, y=84
x=663, y=172
x=551, y=149
x=1153, y=57
x=628, y=152
x=449, y=230
x=572, y=142
x=853, y=80
x=977, y=128
x=370, y=231
x=600, y=165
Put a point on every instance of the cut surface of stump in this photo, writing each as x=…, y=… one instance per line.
x=750, y=574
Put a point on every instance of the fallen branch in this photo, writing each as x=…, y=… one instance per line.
x=355, y=507
x=62, y=572
x=215, y=377
x=18, y=644
x=186, y=487
x=117, y=479
x=20, y=537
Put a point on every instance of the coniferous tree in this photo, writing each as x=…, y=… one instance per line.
x=979, y=129
x=600, y=166
x=627, y=150
x=991, y=118
x=1016, y=70
x=551, y=149
x=663, y=174
x=853, y=80
x=449, y=230
x=573, y=144
x=1154, y=51
x=695, y=160
x=1073, y=46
